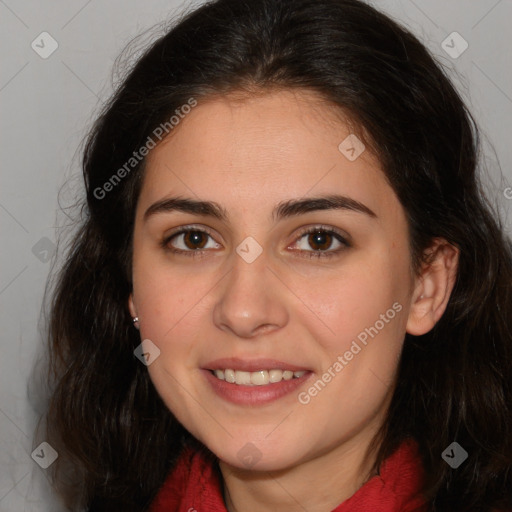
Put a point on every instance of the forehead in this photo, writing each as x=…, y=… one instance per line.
x=249, y=150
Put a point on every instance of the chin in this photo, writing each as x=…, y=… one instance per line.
x=244, y=454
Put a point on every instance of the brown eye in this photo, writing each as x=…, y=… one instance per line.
x=320, y=241
x=189, y=242
x=195, y=239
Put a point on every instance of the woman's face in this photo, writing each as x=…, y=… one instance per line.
x=238, y=284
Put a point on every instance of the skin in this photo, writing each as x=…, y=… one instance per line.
x=250, y=153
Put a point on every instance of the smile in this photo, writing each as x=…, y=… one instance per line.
x=258, y=378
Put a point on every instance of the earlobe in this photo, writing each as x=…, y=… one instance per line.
x=131, y=306
x=433, y=287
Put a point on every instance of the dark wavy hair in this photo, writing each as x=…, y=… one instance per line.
x=116, y=438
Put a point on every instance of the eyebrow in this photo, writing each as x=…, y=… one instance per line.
x=285, y=209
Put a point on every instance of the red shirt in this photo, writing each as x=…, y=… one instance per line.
x=195, y=485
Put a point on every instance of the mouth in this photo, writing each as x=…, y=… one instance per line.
x=254, y=382
x=257, y=378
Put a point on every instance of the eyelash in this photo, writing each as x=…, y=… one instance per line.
x=311, y=254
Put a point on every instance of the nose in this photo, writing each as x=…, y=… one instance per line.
x=251, y=300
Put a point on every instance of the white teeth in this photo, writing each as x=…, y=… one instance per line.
x=243, y=378
x=276, y=375
x=259, y=378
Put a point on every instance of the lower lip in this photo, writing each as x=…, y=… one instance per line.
x=254, y=395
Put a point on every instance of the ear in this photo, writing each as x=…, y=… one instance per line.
x=131, y=306
x=433, y=287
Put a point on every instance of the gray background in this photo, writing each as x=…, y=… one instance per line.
x=47, y=106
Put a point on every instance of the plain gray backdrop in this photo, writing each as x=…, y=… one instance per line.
x=48, y=101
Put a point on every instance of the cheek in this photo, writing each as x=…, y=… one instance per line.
x=164, y=296
x=364, y=310
x=360, y=337
x=354, y=299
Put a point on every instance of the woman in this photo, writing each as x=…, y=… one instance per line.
x=289, y=291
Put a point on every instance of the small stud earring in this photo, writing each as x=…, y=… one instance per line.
x=136, y=322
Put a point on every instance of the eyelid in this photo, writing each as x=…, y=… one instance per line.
x=188, y=227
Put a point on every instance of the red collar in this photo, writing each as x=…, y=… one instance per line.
x=195, y=485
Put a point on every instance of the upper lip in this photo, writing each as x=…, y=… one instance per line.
x=252, y=365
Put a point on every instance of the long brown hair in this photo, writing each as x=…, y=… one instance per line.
x=115, y=436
